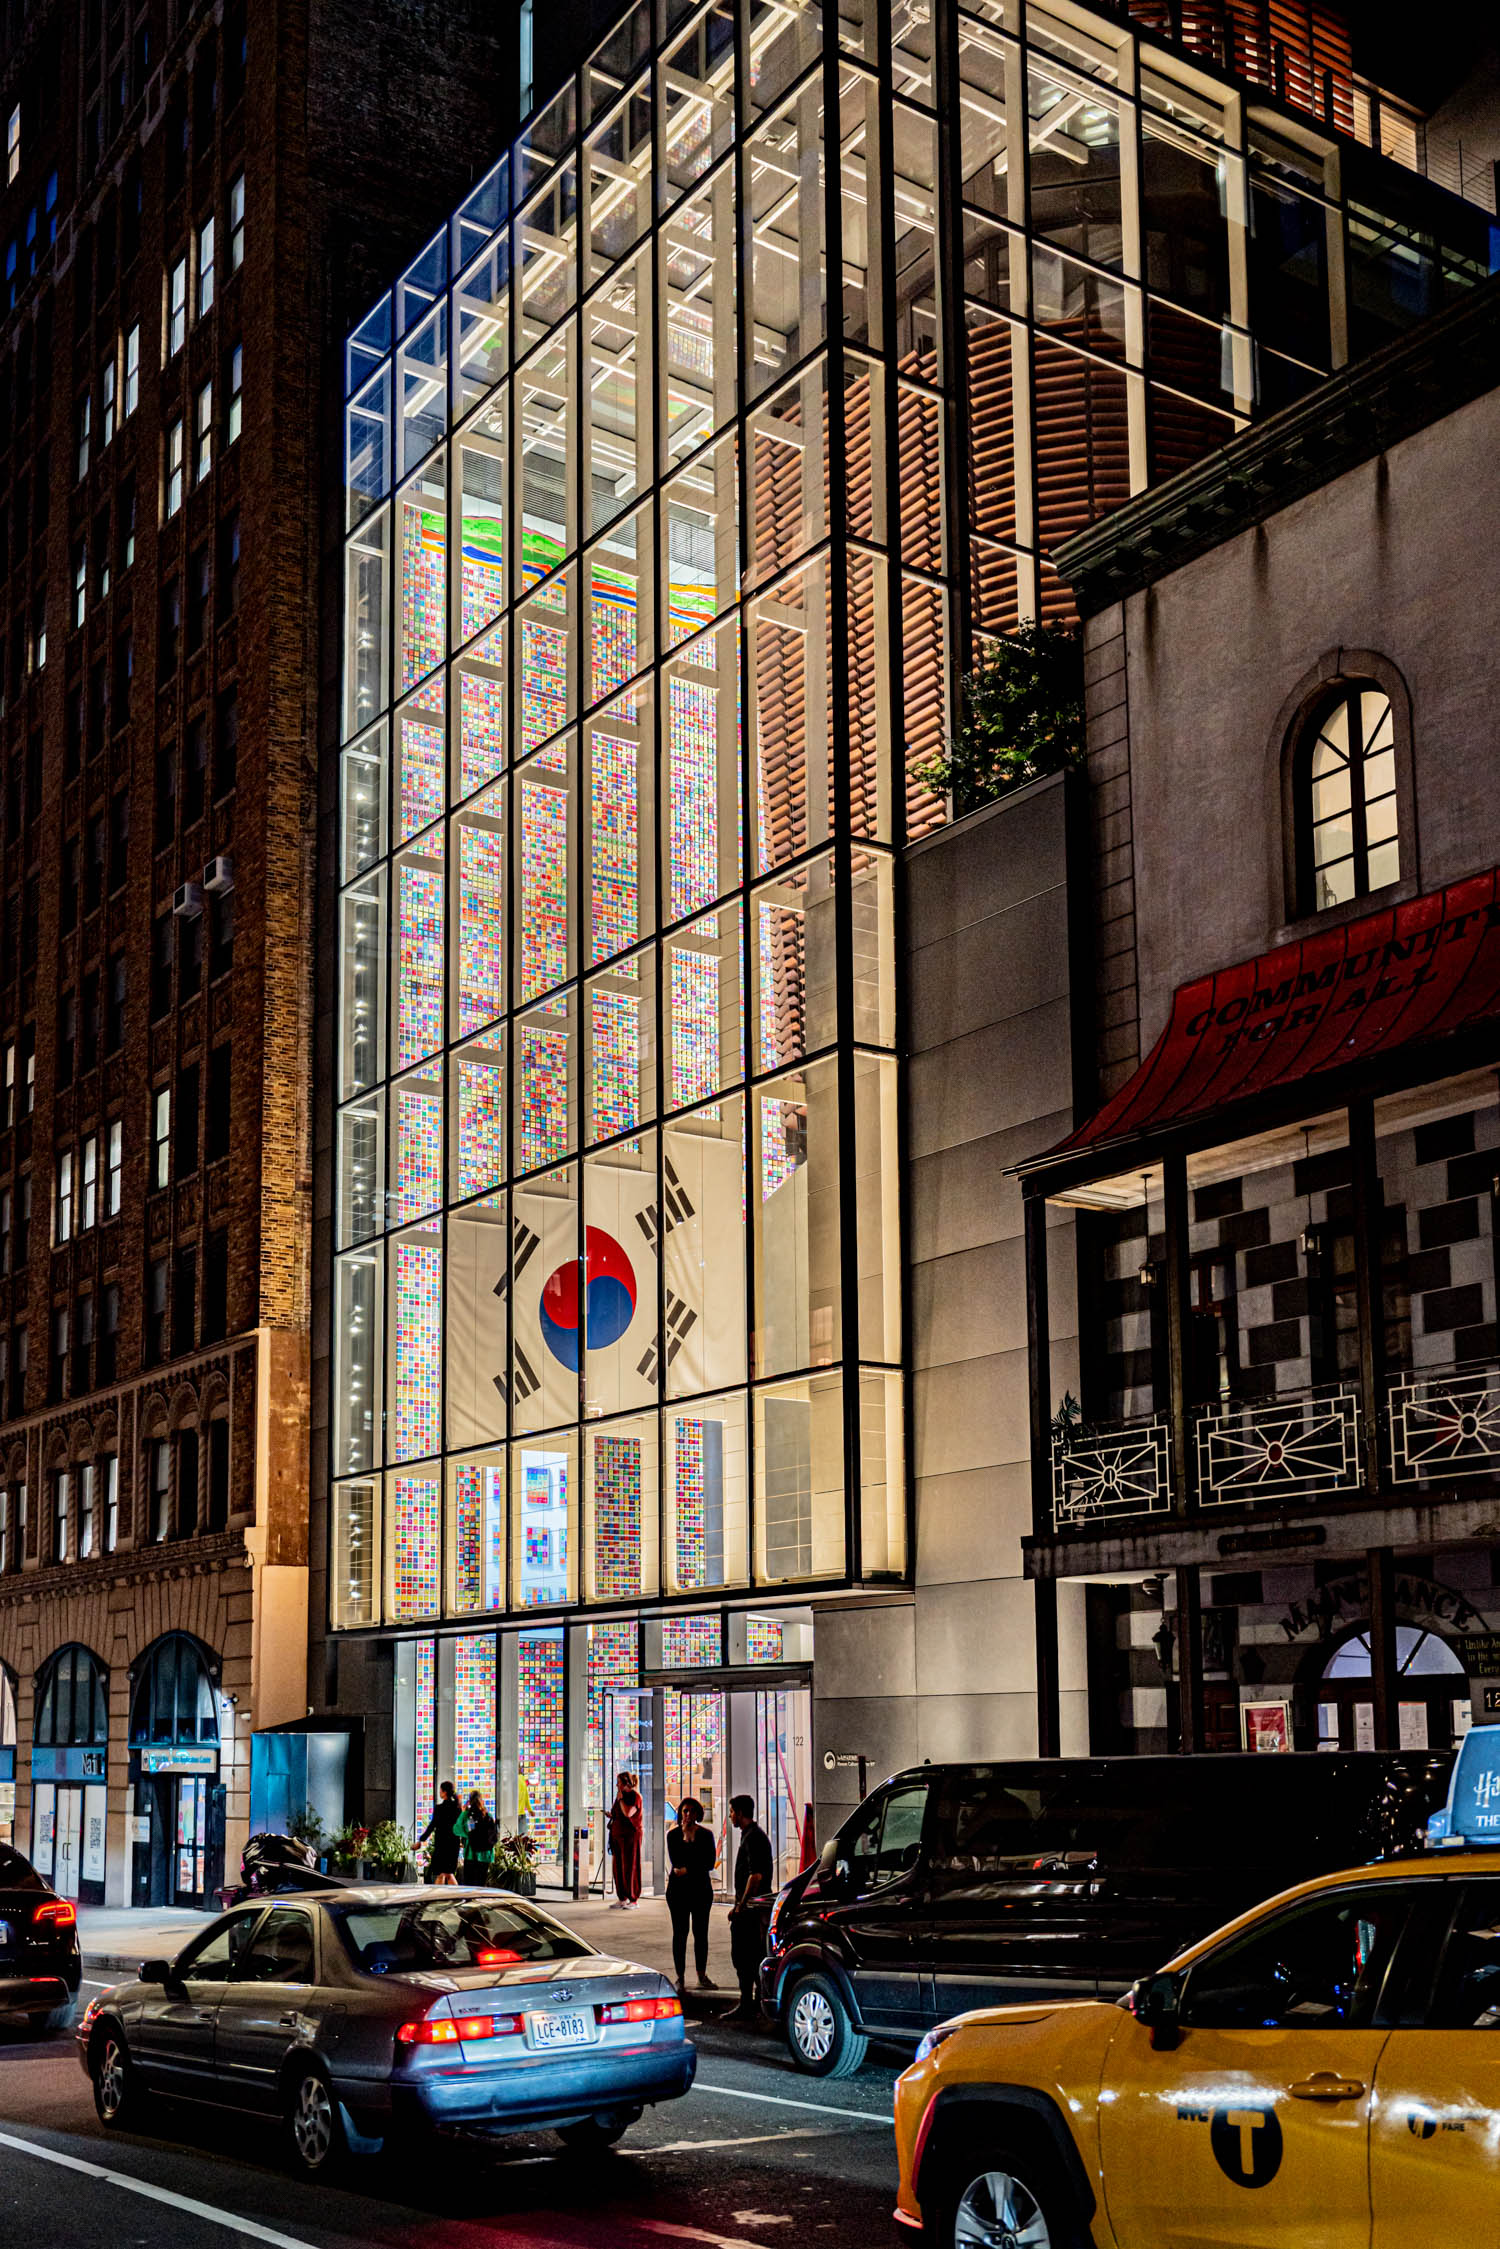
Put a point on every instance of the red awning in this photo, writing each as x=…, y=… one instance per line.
x=1392, y=980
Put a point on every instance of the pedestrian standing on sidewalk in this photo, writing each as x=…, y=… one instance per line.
x=693, y=1855
x=626, y=1820
x=444, y=1828
x=751, y=1909
x=480, y=1838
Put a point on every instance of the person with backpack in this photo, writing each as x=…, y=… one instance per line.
x=480, y=1838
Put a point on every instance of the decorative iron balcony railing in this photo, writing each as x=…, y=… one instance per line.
x=1104, y=1472
x=1446, y=1422
x=1268, y=1449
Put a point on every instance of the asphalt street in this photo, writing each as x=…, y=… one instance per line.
x=755, y=2154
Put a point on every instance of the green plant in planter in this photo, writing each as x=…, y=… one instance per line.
x=307, y=1828
x=348, y=1845
x=515, y=1864
x=1022, y=717
x=389, y=1847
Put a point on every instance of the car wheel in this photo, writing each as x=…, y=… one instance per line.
x=821, y=2032
x=1002, y=2198
x=314, y=2129
x=118, y=2098
x=593, y=2134
x=54, y=2018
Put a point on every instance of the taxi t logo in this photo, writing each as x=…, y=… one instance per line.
x=1246, y=2144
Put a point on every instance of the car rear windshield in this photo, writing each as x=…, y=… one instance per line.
x=17, y=1873
x=468, y=1933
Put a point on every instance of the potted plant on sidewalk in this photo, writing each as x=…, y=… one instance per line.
x=348, y=1849
x=515, y=1865
x=388, y=1850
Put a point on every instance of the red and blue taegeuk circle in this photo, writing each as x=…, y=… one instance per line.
x=609, y=1283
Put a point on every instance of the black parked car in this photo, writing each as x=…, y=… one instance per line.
x=961, y=1886
x=39, y=1963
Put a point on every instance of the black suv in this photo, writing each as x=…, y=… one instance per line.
x=39, y=1962
x=959, y=1886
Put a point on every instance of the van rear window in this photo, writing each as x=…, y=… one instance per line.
x=384, y=1940
x=1149, y=1812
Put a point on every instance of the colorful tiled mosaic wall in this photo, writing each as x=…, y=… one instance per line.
x=693, y=765
x=419, y=1349
x=762, y=1639
x=613, y=1662
x=414, y=1553
x=614, y=845
x=612, y=633
x=481, y=718
x=481, y=1126
x=695, y=1023
x=419, y=1000
x=544, y=1095
x=423, y=585
x=617, y=1517
x=422, y=779
x=482, y=594
x=478, y=1536
x=474, y=1715
x=539, y=1746
x=690, y=1484
x=544, y=888
x=691, y=1643
x=481, y=928
x=424, y=1728
x=616, y=1037
x=419, y=1153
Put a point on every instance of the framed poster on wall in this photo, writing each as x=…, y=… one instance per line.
x=1266, y=1725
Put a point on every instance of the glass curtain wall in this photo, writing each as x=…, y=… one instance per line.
x=618, y=1241
x=686, y=471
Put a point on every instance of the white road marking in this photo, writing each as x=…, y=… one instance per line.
x=753, y=2139
x=204, y=2210
x=692, y=2233
x=780, y=2100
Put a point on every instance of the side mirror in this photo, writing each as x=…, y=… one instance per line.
x=156, y=1971
x=1156, y=2002
x=828, y=1856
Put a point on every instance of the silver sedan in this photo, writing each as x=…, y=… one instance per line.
x=355, y=2014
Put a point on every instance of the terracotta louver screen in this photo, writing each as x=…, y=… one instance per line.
x=1300, y=52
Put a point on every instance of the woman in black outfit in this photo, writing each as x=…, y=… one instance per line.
x=443, y=1828
x=690, y=1889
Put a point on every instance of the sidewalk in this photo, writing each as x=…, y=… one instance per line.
x=115, y=1939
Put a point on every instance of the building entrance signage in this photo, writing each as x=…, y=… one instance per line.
x=180, y=1758
x=1420, y=1598
x=68, y=1763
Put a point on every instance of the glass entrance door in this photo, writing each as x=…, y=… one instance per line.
x=695, y=1762
x=783, y=1771
x=628, y=1727
x=69, y=1841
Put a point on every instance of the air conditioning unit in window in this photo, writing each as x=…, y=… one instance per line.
x=218, y=875
x=188, y=901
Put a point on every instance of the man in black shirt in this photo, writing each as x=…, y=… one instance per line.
x=751, y=1909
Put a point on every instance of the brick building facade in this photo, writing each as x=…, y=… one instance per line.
x=191, y=199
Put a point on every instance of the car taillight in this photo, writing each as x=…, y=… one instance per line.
x=447, y=2030
x=639, y=2010
x=57, y=1913
x=492, y=1958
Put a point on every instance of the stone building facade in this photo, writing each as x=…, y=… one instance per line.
x=190, y=195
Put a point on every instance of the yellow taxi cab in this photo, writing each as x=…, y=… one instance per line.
x=1323, y=2071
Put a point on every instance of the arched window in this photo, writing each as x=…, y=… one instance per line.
x=72, y=1706
x=1346, y=798
x=1420, y=1654
x=173, y=1699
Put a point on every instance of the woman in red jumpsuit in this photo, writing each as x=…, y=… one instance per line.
x=626, y=1816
